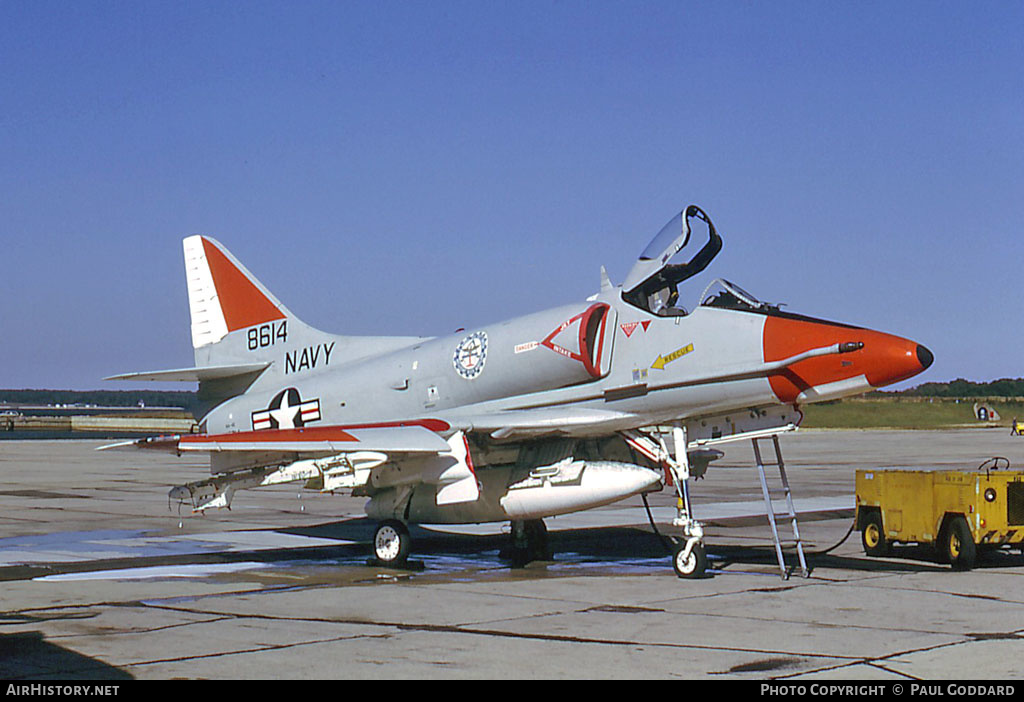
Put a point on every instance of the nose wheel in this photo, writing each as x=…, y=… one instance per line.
x=689, y=560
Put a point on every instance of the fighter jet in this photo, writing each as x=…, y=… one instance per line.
x=554, y=412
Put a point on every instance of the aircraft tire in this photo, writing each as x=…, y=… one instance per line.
x=537, y=540
x=392, y=542
x=692, y=567
x=529, y=543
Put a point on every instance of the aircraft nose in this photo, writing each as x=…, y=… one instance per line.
x=878, y=359
x=925, y=357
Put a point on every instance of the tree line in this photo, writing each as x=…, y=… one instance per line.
x=103, y=398
x=1004, y=387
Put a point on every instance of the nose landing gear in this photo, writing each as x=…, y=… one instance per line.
x=689, y=559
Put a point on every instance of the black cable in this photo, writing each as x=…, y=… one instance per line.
x=835, y=546
x=665, y=541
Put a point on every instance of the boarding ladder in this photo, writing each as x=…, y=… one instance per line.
x=770, y=507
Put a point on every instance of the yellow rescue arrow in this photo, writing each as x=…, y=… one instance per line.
x=663, y=361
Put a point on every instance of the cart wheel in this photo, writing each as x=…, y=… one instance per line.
x=694, y=565
x=873, y=538
x=957, y=544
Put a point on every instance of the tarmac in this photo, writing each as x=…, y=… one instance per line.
x=101, y=578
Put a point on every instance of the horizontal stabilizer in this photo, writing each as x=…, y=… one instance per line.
x=202, y=373
x=157, y=443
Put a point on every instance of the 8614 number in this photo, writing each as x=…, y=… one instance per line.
x=267, y=335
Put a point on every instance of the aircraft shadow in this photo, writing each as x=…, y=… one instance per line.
x=591, y=545
x=29, y=656
x=631, y=543
x=903, y=559
x=605, y=543
x=725, y=557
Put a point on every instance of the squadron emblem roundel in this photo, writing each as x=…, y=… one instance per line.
x=470, y=355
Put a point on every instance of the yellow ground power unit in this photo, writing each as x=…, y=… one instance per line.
x=960, y=512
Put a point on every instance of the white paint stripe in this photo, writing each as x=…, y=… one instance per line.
x=145, y=545
x=182, y=571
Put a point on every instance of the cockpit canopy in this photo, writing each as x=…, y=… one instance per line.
x=652, y=284
x=721, y=293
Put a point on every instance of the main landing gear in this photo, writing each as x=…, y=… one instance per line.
x=392, y=543
x=529, y=543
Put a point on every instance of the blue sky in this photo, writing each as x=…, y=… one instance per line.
x=411, y=168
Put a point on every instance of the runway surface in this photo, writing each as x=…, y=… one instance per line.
x=101, y=578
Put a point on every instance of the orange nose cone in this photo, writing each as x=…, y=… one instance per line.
x=884, y=359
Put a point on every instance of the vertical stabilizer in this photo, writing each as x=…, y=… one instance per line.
x=236, y=320
x=242, y=335
x=223, y=296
